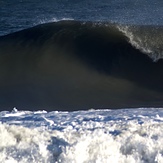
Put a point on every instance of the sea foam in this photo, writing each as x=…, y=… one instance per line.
x=120, y=136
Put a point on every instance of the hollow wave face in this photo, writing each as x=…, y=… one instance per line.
x=81, y=65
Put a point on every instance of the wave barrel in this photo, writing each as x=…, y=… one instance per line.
x=70, y=65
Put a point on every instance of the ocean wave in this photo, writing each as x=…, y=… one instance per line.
x=73, y=65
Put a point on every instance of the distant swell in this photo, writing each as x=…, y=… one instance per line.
x=71, y=65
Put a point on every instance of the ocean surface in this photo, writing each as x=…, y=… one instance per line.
x=81, y=81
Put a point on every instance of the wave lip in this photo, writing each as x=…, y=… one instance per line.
x=70, y=65
x=148, y=39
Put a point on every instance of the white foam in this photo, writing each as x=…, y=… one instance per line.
x=51, y=123
x=42, y=21
x=119, y=136
x=40, y=112
x=19, y=144
x=136, y=143
x=16, y=113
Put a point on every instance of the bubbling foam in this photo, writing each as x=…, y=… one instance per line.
x=121, y=141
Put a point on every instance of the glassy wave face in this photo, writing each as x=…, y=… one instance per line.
x=69, y=65
x=120, y=136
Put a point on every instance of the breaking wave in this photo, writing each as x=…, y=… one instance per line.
x=53, y=65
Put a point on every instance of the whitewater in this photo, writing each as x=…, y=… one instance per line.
x=123, y=136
